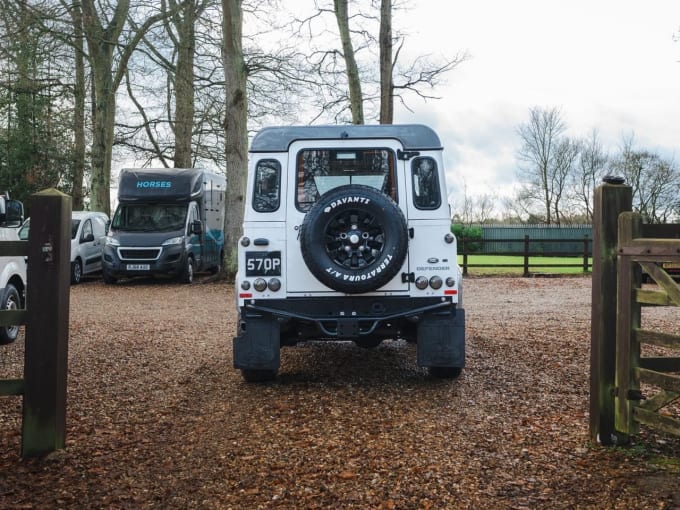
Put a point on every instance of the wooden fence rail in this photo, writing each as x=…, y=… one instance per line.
x=467, y=247
x=46, y=318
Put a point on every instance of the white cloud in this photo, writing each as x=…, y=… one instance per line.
x=612, y=65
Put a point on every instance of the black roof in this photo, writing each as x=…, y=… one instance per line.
x=159, y=184
x=411, y=136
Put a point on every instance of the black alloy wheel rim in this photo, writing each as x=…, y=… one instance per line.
x=354, y=239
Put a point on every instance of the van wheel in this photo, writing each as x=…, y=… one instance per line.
x=76, y=271
x=10, y=301
x=256, y=376
x=217, y=269
x=188, y=273
x=107, y=277
x=354, y=239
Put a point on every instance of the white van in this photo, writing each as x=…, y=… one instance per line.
x=12, y=269
x=88, y=230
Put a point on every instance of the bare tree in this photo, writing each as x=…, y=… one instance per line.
x=356, y=98
x=183, y=37
x=386, y=69
x=235, y=127
x=538, y=154
x=79, y=95
x=566, y=154
x=475, y=208
x=655, y=182
x=396, y=78
x=108, y=57
x=175, y=107
x=36, y=100
x=589, y=169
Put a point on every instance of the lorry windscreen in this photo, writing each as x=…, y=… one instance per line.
x=149, y=217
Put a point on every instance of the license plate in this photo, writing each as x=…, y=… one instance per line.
x=138, y=267
x=263, y=263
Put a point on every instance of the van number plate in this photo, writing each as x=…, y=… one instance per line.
x=263, y=263
x=138, y=267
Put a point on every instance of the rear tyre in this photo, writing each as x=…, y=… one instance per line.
x=10, y=301
x=76, y=272
x=445, y=372
x=256, y=376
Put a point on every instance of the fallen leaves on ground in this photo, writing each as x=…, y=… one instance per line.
x=158, y=417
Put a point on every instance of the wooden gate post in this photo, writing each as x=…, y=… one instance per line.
x=628, y=322
x=610, y=199
x=47, y=303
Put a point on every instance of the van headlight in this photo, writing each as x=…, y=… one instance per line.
x=173, y=240
x=112, y=241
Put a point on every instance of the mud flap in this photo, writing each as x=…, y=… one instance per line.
x=258, y=345
x=441, y=342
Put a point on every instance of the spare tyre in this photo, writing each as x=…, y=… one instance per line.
x=354, y=239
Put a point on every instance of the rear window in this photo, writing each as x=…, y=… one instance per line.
x=321, y=170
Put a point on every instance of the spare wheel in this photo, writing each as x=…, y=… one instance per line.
x=354, y=239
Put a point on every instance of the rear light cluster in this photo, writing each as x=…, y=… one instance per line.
x=260, y=284
x=434, y=282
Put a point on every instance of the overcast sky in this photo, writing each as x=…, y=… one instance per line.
x=607, y=64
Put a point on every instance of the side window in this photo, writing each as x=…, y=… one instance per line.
x=99, y=227
x=425, y=180
x=267, y=187
x=191, y=217
x=87, y=230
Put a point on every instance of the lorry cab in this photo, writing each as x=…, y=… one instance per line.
x=168, y=222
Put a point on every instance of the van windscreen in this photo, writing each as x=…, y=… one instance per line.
x=150, y=217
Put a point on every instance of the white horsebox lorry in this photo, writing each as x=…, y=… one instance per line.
x=347, y=236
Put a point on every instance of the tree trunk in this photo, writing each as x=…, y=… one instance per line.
x=79, y=110
x=386, y=83
x=356, y=99
x=236, y=129
x=101, y=43
x=184, y=86
x=102, y=136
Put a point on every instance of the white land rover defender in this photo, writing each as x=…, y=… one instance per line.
x=347, y=236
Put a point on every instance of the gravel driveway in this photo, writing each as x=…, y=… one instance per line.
x=158, y=418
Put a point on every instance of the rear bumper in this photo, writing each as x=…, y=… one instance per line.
x=437, y=326
x=349, y=317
